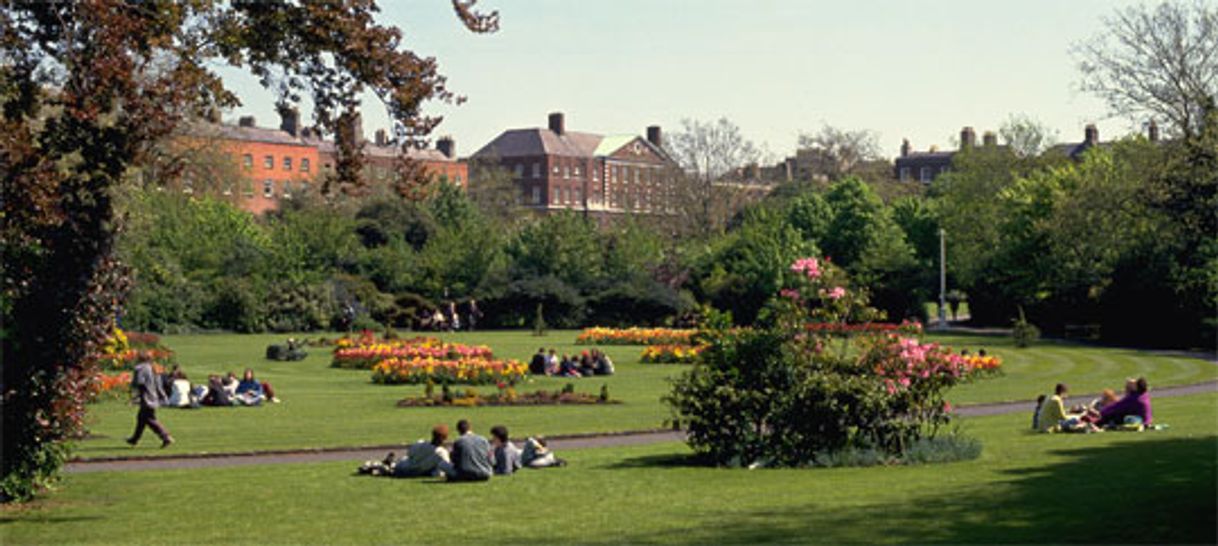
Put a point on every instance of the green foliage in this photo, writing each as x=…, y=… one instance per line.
x=1024, y=333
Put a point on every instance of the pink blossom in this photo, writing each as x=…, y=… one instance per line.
x=807, y=266
x=789, y=293
x=947, y=407
x=836, y=293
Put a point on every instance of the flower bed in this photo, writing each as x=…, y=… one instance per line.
x=473, y=371
x=634, y=336
x=109, y=386
x=365, y=357
x=671, y=354
x=507, y=396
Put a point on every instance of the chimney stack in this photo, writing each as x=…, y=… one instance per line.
x=352, y=126
x=968, y=138
x=791, y=167
x=1152, y=131
x=447, y=146
x=381, y=138
x=989, y=139
x=246, y=121
x=556, y=123
x=289, y=120
x=1091, y=135
x=905, y=147
x=654, y=136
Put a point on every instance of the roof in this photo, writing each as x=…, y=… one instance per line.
x=539, y=141
x=371, y=149
x=248, y=134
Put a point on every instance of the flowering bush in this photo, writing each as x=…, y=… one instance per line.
x=106, y=385
x=671, y=354
x=815, y=376
x=473, y=371
x=123, y=350
x=365, y=356
x=634, y=336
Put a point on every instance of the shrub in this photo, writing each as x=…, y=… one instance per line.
x=1025, y=333
x=780, y=394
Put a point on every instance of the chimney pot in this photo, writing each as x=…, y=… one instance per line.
x=381, y=138
x=447, y=146
x=989, y=139
x=1152, y=131
x=654, y=136
x=246, y=121
x=968, y=138
x=1091, y=135
x=557, y=123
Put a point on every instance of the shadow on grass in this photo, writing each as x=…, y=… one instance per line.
x=667, y=460
x=7, y=519
x=1154, y=491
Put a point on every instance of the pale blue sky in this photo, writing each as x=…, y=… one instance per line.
x=905, y=69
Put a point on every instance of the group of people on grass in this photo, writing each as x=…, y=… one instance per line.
x=151, y=390
x=448, y=318
x=586, y=364
x=1131, y=411
x=472, y=457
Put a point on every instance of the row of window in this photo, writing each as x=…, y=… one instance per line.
x=268, y=163
x=575, y=171
x=925, y=174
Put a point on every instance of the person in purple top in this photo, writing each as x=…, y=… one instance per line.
x=1136, y=402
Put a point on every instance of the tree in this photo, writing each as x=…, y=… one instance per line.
x=833, y=152
x=1160, y=61
x=87, y=89
x=493, y=189
x=706, y=151
x=1026, y=136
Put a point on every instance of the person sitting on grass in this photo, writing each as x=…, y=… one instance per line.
x=1136, y=403
x=425, y=458
x=537, y=366
x=1052, y=415
x=568, y=367
x=587, y=366
x=507, y=455
x=249, y=391
x=217, y=394
x=179, y=390
x=471, y=456
x=230, y=383
x=552, y=364
x=537, y=455
x=604, y=366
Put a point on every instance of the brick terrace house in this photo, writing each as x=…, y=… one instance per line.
x=557, y=169
x=926, y=166
x=278, y=163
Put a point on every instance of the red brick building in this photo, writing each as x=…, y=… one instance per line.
x=557, y=169
x=275, y=164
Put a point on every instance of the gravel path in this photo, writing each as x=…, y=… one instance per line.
x=557, y=443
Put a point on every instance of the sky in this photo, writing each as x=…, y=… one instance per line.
x=777, y=68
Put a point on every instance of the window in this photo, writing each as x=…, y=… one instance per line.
x=579, y=196
x=287, y=163
x=247, y=188
x=268, y=162
x=287, y=190
x=536, y=195
x=925, y=174
x=637, y=173
x=304, y=165
x=520, y=170
x=458, y=178
x=247, y=161
x=904, y=174
x=596, y=173
x=566, y=172
x=268, y=188
x=304, y=186
x=577, y=171
x=228, y=188
x=537, y=170
x=555, y=169
x=554, y=196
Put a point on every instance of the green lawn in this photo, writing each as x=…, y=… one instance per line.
x=1152, y=487
x=326, y=407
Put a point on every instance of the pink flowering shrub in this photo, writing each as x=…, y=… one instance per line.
x=818, y=374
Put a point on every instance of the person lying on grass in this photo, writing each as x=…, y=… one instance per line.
x=537, y=455
x=425, y=458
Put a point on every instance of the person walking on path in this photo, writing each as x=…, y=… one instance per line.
x=149, y=394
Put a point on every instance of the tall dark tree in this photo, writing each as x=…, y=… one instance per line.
x=86, y=90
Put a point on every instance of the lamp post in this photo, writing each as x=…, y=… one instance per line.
x=942, y=279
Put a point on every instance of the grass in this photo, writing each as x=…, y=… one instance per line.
x=325, y=407
x=1153, y=487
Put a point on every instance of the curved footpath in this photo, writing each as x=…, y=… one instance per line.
x=558, y=443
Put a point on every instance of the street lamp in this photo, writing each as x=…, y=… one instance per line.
x=942, y=279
